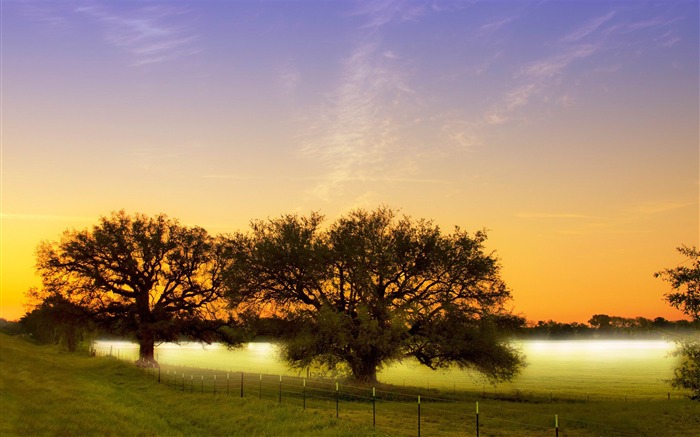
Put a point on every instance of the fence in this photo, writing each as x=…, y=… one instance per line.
x=430, y=415
x=395, y=410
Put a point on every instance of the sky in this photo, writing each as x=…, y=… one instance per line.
x=568, y=129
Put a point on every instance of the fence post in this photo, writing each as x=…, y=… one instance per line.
x=183, y=382
x=214, y=384
x=418, y=416
x=374, y=409
x=228, y=380
x=337, y=399
x=260, y=388
x=191, y=383
x=303, y=391
x=477, y=419
x=280, y=398
x=556, y=425
x=241, y=383
x=158, y=374
x=202, y=376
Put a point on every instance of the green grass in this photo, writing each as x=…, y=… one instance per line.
x=46, y=392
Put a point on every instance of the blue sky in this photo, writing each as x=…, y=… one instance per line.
x=567, y=128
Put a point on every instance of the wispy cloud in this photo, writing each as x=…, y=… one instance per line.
x=657, y=207
x=494, y=26
x=551, y=215
x=149, y=33
x=289, y=78
x=553, y=65
x=358, y=129
x=380, y=12
x=45, y=217
x=588, y=28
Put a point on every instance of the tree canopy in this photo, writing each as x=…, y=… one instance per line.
x=685, y=281
x=373, y=288
x=146, y=276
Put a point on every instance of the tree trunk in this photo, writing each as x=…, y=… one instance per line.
x=364, y=371
x=146, y=348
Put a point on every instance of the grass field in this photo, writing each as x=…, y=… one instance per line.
x=564, y=369
x=46, y=392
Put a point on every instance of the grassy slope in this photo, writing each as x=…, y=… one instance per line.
x=46, y=392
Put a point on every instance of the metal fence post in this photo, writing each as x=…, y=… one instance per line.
x=418, y=416
x=374, y=409
x=477, y=419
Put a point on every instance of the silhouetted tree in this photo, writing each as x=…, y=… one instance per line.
x=146, y=276
x=601, y=322
x=372, y=289
x=685, y=281
x=56, y=320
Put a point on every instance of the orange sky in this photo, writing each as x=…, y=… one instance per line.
x=576, y=144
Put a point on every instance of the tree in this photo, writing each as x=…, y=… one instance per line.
x=56, y=320
x=685, y=281
x=146, y=276
x=687, y=300
x=372, y=289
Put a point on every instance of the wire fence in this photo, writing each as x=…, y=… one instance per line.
x=394, y=410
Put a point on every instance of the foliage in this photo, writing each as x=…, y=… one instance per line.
x=687, y=300
x=146, y=276
x=57, y=320
x=372, y=289
x=687, y=374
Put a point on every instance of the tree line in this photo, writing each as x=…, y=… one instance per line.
x=605, y=326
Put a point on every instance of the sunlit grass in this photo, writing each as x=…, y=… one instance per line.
x=46, y=392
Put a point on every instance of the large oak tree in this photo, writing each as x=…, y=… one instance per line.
x=373, y=288
x=150, y=277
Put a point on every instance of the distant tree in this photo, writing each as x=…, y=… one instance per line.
x=556, y=330
x=372, y=289
x=55, y=319
x=149, y=277
x=685, y=281
x=601, y=322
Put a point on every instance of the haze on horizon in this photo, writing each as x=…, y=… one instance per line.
x=568, y=129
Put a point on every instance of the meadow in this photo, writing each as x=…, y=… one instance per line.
x=44, y=391
x=47, y=392
x=564, y=369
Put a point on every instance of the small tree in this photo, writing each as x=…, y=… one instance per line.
x=372, y=289
x=145, y=276
x=685, y=281
x=54, y=319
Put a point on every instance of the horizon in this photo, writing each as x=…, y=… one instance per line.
x=569, y=130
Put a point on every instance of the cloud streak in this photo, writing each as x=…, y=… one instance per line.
x=148, y=34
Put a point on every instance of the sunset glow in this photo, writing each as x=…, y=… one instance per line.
x=568, y=129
